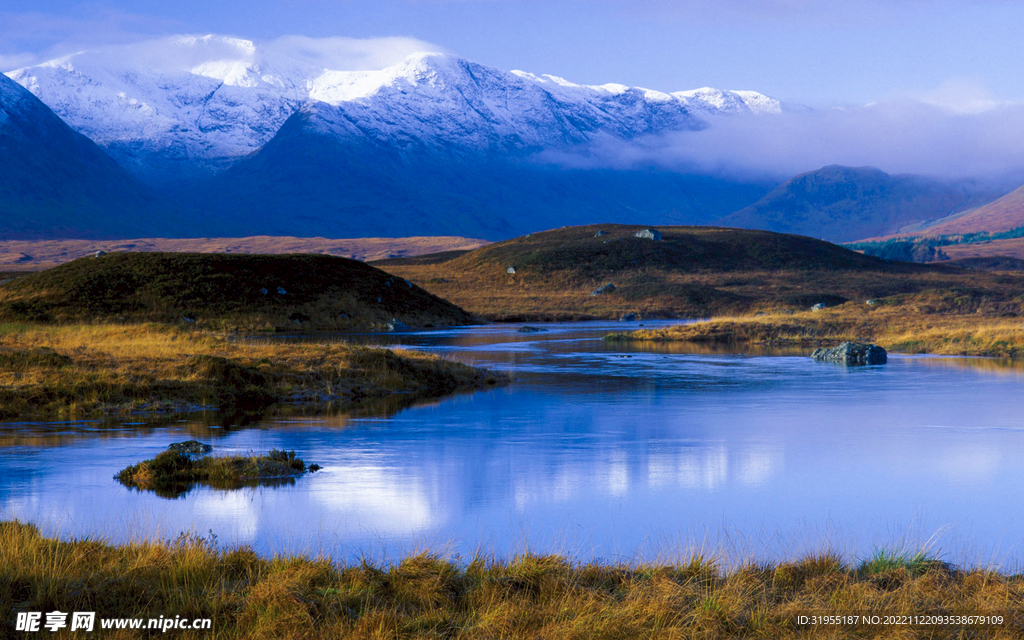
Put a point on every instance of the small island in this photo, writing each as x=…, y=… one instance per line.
x=176, y=471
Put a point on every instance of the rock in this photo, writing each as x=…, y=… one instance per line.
x=313, y=468
x=189, y=318
x=629, y=317
x=529, y=329
x=100, y=254
x=281, y=291
x=600, y=233
x=397, y=325
x=408, y=283
x=852, y=353
x=608, y=288
x=264, y=290
x=872, y=302
x=819, y=306
x=649, y=234
x=190, y=446
x=510, y=270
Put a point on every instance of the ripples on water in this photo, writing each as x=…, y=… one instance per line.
x=597, y=450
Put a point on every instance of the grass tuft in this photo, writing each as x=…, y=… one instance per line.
x=527, y=597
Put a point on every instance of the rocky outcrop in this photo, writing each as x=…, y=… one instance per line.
x=600, y=291
x=190, y=446
x=649, y=234
x=397, y=325
x=853, y=353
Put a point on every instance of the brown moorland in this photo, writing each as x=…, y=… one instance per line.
x=33, y=255
x=765, y=283
x=1000, y=215
x=70, y=371
x=524, y=597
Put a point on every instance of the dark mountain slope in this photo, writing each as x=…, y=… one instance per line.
x=56, y=183
x=307, y=182
x=846, y=203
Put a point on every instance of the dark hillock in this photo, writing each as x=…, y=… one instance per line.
x=688, y=249
x=564, y=274
x=301, y=291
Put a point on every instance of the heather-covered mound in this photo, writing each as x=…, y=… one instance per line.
x=255, y=292
x=689, y=271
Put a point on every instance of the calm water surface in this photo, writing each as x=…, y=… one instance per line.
x=597, y=450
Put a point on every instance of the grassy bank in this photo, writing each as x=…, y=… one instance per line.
x=895, y=328
x=173, y=473
x=100, y=369
x=693, y=272
x=528, y=597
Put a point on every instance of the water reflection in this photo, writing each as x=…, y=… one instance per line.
x=604, y=449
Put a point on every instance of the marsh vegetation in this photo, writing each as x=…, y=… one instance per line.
x=116, y=369
x=527, y=596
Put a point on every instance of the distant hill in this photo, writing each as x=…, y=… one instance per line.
x=34, y=255
x=55, y=183
x=308, y=292
x=690, y=272
x=842, y=204
x=1000, y=215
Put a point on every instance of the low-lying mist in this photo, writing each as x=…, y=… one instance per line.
x=897, y=137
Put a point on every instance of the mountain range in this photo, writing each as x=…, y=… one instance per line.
x=220, y=136
x=57, y=183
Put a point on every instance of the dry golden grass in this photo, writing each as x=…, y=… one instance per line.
x=526, y=597
x=895, y=328
x=75, y=370
x=693, y=273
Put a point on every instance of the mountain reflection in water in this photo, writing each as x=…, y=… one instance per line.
x=600, y=450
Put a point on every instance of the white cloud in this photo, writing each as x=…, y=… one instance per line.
x=962, y=95
x=349, y=54
x=954, y=139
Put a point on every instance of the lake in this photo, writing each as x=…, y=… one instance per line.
x=597, y=450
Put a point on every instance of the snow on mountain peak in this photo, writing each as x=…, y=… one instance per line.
x=212, y=99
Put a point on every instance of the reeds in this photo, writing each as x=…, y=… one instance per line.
x=527, y=596
x=96, y=369
x=896, y=328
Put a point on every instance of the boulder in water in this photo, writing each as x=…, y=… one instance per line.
x=190, y=446
x=854, y=353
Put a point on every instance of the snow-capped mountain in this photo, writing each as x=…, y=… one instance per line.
x=168, y=108
x=55, y=182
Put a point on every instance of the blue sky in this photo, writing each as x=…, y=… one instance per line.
x=819, y=52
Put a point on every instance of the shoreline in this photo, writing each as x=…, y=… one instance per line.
x=893, y=329
x=526, y=596
x=74, y=371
